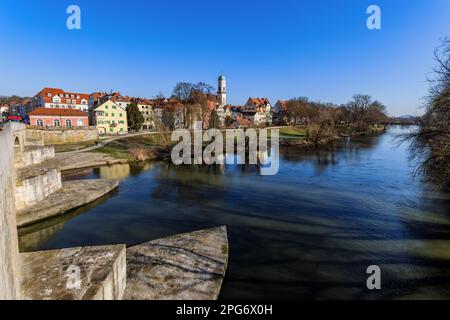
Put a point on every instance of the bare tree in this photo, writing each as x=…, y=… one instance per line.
x=204, y=88
x=431, y=144
x=182, y=91
x=159, y=96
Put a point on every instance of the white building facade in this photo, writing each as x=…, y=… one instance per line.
x=59, y=99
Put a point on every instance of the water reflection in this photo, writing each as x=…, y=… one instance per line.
x=308, y=232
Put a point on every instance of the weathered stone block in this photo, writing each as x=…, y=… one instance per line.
x=33, y=155
x=31, y=190
x=188, y=266
x=87, y=273
x=72, y=195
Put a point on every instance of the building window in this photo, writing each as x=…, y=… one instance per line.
x=120, y=115
x=68, y=123
x=56, y=123
x=112, y=114
x=40, y=123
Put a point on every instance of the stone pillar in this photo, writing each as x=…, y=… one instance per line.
x=9, y=249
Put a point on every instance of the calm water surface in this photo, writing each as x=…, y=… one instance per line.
x=309, y=232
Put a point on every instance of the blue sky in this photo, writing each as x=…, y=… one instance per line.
x=278, y=49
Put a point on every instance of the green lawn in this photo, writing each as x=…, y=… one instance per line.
x=119, y=149
x=293, y=132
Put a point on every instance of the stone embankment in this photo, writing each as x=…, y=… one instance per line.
x=189, y=266
x=88, y=273
x=40, y=193
x=51, y=136
x=73, y=194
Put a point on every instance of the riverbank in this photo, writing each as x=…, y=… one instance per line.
x=301, y=136
x=157, y=146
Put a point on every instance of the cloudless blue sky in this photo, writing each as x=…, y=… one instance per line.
x=278, y=49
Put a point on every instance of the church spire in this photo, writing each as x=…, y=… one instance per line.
x=222, y=91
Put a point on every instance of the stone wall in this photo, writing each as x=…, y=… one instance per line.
x=33, y=155
x=9, y=251
x=61, y=135
x=34, y=189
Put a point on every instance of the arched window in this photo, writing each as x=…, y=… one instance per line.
x=80, y=122
x=57, y=123
x=68, y=123
x=40, y=123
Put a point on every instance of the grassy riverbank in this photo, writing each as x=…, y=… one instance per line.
x=315, y=135
x=158, y=145
x=138, y=148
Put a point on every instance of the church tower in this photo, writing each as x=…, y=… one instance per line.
x=222, y=92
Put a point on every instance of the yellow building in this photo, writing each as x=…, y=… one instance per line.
x=110, y=118
x=145, y=106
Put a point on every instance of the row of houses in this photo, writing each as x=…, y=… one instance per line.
x=53, y=107
x=16, y=109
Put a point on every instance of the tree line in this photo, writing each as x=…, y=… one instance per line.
x=328, y=119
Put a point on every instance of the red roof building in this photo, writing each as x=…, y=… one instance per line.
x=60, y=99
x=48, y=117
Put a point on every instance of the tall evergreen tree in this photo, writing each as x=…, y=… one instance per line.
x=135, y=118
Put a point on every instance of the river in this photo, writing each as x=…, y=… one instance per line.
x=309, y=232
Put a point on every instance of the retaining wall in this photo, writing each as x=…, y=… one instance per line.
x=9, y=251
x=61, y=135
x=33, y=155
x=32, y=190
